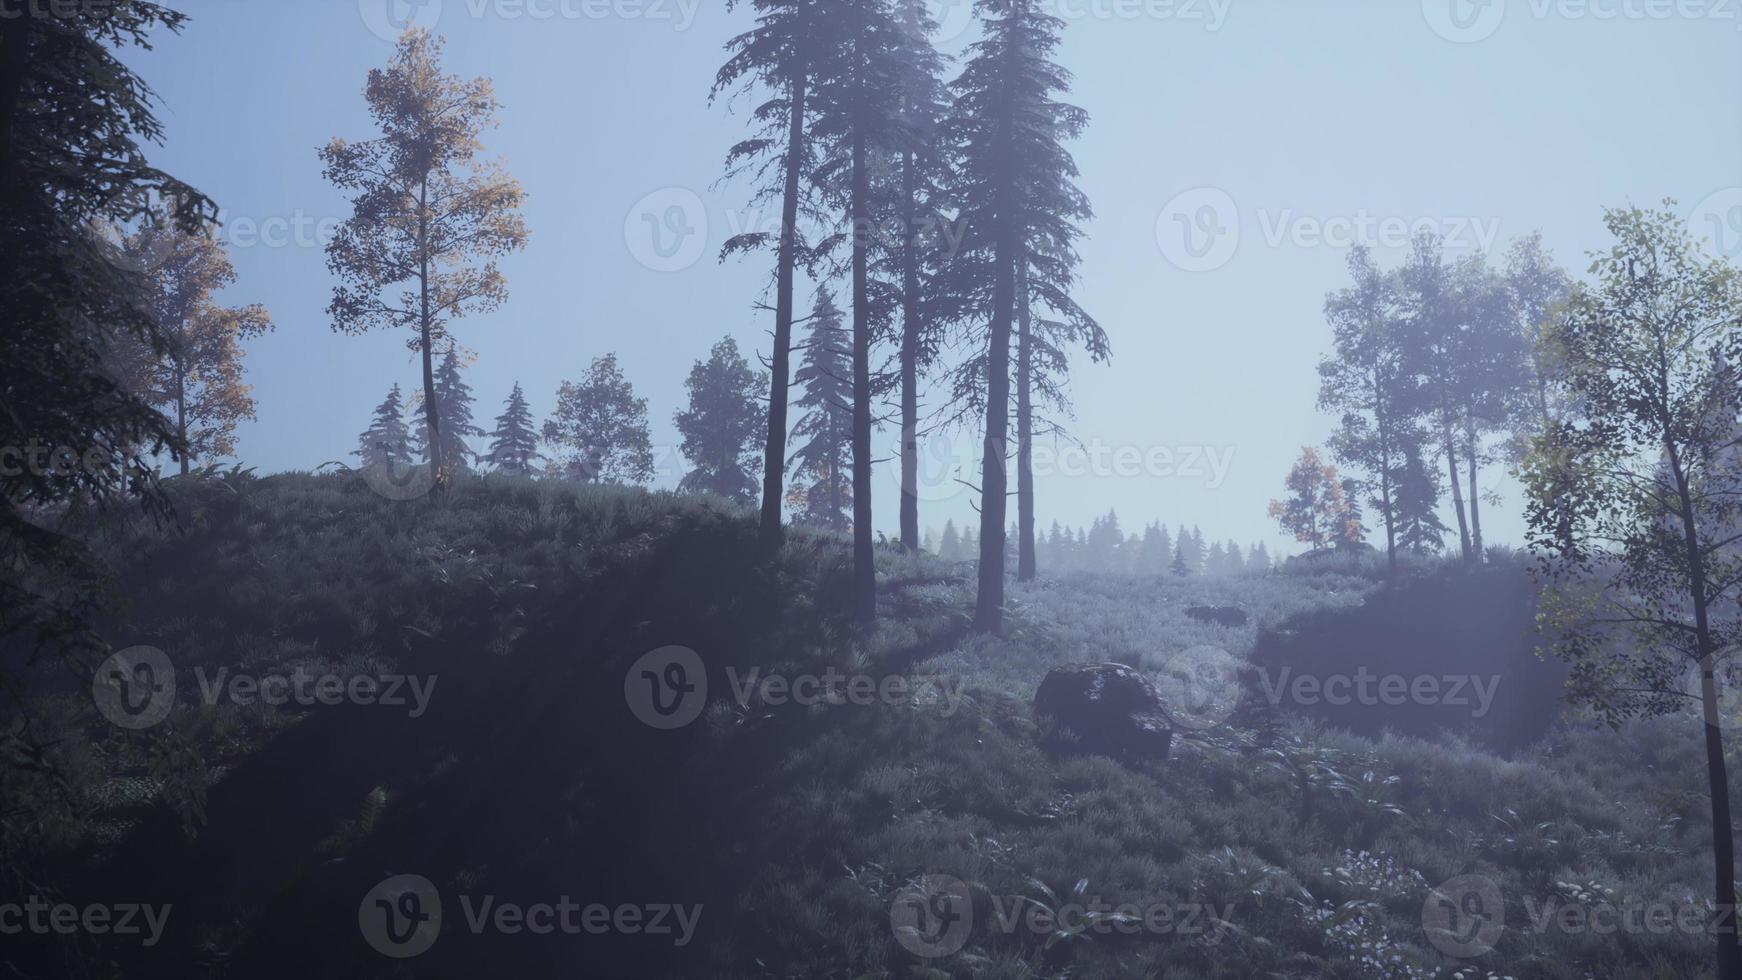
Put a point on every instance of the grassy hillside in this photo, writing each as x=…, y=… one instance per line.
x=801, y=831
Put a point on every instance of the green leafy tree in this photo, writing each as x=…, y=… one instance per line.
x=1634, y=499
x=1365, y=379
x=196, y=376
x=429, y=218
x=722, y=424
x=600, y=428
x=1317, y=509
x=514, y=444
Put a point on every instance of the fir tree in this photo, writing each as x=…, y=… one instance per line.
x=950, y=545
x=514, y=444
x=386, y=442
x=453, y=419
x=822, y=462
x=1014, y=182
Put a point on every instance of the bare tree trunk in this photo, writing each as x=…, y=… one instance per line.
x=1717, y=772
x=1026, y=560
x=994, y=480
x=431, y=422
x=1450, y=448
x=780, y=363
x=1386, y=506
x=864, y=554
x=1473, y=447
x=910, y=331
x=181, y=405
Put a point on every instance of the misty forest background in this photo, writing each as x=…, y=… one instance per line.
x=930, y=221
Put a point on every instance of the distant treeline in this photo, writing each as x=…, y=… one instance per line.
x=1106, y=548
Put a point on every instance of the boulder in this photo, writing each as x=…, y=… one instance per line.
x=1108, y=709
x=1222, y=615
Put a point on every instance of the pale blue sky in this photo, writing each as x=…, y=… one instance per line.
x=1297, y=120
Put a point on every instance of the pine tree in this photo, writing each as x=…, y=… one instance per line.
x=1260, y=559
x=1235, y=562
x=773, y=64
x=603, y=427
x=1019, y=213
x=514, y=444
x=722, y=424
x=1419, y=528
x=453, y=419
x=1216, y=561
x=857, y=128
x=950, y=545
x=387, y=442
x=1182, y=565
x=822, y=462
x=923, y=169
